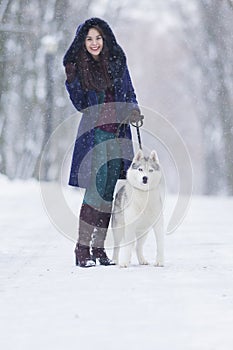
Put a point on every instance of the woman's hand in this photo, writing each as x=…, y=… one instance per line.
x=136, y=117
x=71, y=72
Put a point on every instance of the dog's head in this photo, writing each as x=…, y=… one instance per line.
x=145, y=172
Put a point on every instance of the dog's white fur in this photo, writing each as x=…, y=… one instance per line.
x=137, y=209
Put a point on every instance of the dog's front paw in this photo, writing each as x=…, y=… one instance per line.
x=143, y=262
x=124, y=264
x=159, y=264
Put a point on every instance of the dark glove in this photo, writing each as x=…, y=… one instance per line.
x=71, y=72
x=135, y=117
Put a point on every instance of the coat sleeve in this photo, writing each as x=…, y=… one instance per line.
x=77, y=95
x=130, y=94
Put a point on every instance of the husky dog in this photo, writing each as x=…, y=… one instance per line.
x=137, y=209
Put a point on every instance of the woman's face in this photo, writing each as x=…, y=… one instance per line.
x=94, y=42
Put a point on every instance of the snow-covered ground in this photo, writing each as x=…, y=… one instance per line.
x=48, y=303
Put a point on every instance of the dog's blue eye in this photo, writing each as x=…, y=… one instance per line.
x=151, y=170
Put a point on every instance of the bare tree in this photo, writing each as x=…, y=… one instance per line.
x=208, y=36
x=32, y=81
x=217, y=34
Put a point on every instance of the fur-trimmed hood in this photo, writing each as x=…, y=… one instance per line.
x=117, y=58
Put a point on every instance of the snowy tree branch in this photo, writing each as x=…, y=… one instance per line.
x=230, y=2
x=3, y=7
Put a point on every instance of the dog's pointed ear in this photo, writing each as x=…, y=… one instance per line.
x=154, y=157
x=139, y=155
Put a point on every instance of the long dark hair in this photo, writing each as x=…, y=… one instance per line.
x=94, y=75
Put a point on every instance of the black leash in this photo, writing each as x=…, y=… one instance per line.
x=138, y=125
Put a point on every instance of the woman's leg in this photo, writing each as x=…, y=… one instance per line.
x=89, y=216
x=106, y=179
x=96, y=209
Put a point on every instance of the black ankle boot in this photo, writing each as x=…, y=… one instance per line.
x=99, y=254
x=83, y=256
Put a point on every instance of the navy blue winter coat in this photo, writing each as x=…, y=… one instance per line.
x=87, y=103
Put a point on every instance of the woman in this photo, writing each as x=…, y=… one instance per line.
x=99, y=85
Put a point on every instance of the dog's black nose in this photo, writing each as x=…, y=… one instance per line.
x=145, y=179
